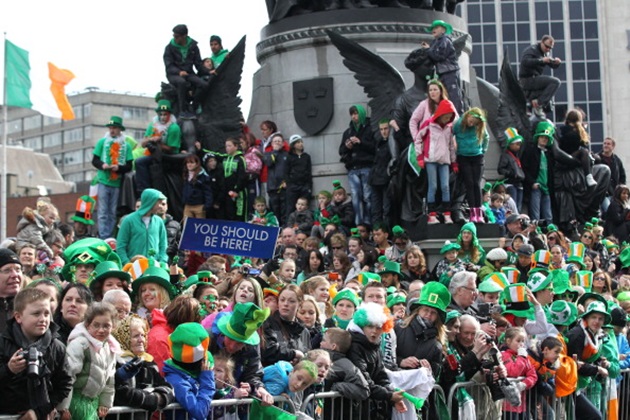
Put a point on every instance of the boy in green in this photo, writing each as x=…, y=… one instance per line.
x=112, y=157
x=537, y=163
x=261, y=216
x=162, y=135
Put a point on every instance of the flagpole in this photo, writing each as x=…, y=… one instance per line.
x=5, y=183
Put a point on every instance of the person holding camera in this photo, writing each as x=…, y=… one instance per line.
x=33, y=378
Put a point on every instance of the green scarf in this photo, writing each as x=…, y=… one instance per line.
x=183, y=49
x=341, y=323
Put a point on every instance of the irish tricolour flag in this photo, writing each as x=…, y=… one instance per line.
x=36, y=84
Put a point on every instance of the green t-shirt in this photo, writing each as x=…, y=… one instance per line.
x=543, y=174
x=171, y=135
x=113, y=152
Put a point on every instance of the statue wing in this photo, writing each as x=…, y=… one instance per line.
x=459, y=43
x=512, y=109
x=380, y=80
x=221, y=114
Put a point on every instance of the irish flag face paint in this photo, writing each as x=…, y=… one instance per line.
x=34, y=83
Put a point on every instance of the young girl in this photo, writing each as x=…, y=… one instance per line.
x=276, y=162
x=510, y=165
x=436, y=152
x=449, y=265
x=308, y=314
x=253, y=166
x=282, y=378
x=322, y=213
x=285, y=273
x=247, y=290
x=518, y=365
x=319, y=288
x=574, y=140
x=414, y=265
x=35, y=225
x=299, y=173
x=472, y=142
x=313, y=266
x=345, y=303
x=197, y=191
x=217, y=185
x=91, y=357
x=235, y=181
x=226, y=388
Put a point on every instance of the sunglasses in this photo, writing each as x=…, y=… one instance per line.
x=549, y=47
x=587, y=237
x=600, y=278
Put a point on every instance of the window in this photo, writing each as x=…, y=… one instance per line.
x=87, y=132
x=32, y=122
x=73, y=158
x=34, y=143
x=87, y=110
x=73, y=136
x=138, y=134
x=135, y=113
x=75, y=177
x=51, y=120
x=15, y=126
x=78, y=112
x=52, y=140
x=57, y=159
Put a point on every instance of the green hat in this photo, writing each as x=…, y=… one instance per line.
x=447, y=26
x=391, y=290
x=512, y=136
x=242, y=323
x=552, y=228
x=84, y=209
x=164, y=105
x=624, y=258
x=86, y=251
x=156, y=275
x=623, y=296
x=609, y=244
x=337, y=185
x=547, y=129
x=540, y=261
x=115, y=121
x=512, y=274
x=365, y=277
x=347, y=294
x=108, y=269
x=487, y=187
x=200, y=277
x=539, y=281
x=189, y=343
x=398, y=230
x=396, y=299
x=470, y=226
x=493, y=283
x=450, y=246
x=391, y=267
x=576, y=253
x=599, y=308
x=451, y=315
x=590, y=295
x=562, y=313
x=515, y=301
x=585, y=280
x=562, y=284
x=435, y=295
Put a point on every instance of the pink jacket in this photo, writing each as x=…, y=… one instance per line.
x=420, y=115
x=437, y=143
x=519, y=366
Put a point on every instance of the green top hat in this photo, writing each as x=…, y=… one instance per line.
x=540, y=261
x=115, y=121
x=435, y=295
x=512, y=274
x=562, y=284
x=597, y=307
x=450, y=246
x=585, y=280
x=512, y=136
x=83, y=212
x=392, y=267
x=396, y=299
x=493, y=283
x=547, y=129
x=164, y=105
x=156, y=275
x=539, y=281
x=624, y=258
x=447, y=26
x=487, y=187
x=108, y=269
x=609, y=244
x=576, y=253
x=562, y=313
x=86, y=251
x=347, y=294
x=242, y=323
x=515, y=301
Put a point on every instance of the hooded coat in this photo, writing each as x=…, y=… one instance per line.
x=361, y=155
x=135, y=237
x=438, y=143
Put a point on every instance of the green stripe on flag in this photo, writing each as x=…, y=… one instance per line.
x=260, y=412
x=413, y=160
x=17, y=68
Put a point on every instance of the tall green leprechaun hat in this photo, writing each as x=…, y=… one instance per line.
x=434, y=295
x=242, y=323
x=86, y=251
x=539, y=281
x=576, y=253
x=84, y=209
x=540, y=261
x=515, y=301
x=493, y=283
x=512, y=274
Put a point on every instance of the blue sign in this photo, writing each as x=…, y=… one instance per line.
x=232, y=238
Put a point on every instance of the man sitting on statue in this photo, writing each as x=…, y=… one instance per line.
x=181, y=57
x=163, y=135
x=539, y=88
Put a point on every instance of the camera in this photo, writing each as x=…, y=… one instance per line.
x=525, y=223
x=32, y=356
x=135, y=363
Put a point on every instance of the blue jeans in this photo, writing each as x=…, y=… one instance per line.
x=517, y=194
x=435, y=171
x=540, y=206
x=107, y=205
x=361, y=192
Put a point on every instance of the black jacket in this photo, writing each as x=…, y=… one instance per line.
x=362, y=154
x=247, y=366
x=382, y=157
x=174, y=62
x=442, y=53
x=282, y=339
x=276, y=162
x=575, y=345
x=421, y=342
x=617, y=171
x=532, y=62
x=63, y=330
x=14, y=388
x=345, y=211
x=367, y=357
x=531, y=165
x=299, y=170
x=6, y=311
x=510, y=169
x=617, y=222
x=468, y=364
x=144, y=389
x=344, y=377
x=198, y=191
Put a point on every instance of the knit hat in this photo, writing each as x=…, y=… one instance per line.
x=122, y=334
x=450, y=246
x=115, y=121
x=447, y=26
x=373, y=314
x=164, y=105
x=337, y=185
x=585, y=280
x=562, y=313
x=155, y=275
x=294, y=138
x=8, y=257
x=365, y=277
x=493, y=283
x=347, y=294
x=189, y=343
x=451, y=315
x=540, y=261
x=395, y=299
x=547, y=129
x=576, y=253
x=435, y=295
x=496, y=254
x=326, y=194
x=216, y=38
x=539, y=281
x=512, y=136
x=241, y=324
x=84, y=208
x=512, y=274
x=597, y=307
x=515, y=301
x=618, y=317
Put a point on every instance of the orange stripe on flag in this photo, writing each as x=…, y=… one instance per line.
x=60, y=78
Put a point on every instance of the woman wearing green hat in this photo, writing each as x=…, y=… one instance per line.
x=471, y=251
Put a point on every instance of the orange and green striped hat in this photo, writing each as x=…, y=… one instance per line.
x=511, y=274
x=512, y=136
x=515, y=301
x=493, y=283
x=585, y=279
x=189, y=343
x=540, y=261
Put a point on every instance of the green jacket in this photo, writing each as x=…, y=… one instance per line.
x=136, y=238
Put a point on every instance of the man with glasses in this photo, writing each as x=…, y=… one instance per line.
x=463, y=289
x=10, y=284
x=539, y=89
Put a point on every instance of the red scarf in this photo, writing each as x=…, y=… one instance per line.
x=516, y=159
